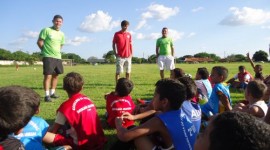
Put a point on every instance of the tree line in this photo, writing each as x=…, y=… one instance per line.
x=109, y=57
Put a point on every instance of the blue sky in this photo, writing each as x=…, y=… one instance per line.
x=223, y=27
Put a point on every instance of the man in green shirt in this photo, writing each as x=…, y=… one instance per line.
x=165, y=53
x=50, y=42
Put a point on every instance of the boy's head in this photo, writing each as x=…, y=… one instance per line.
x=73, y=83
x=219, y=74
x=191, y=90
x=17, y=106
x=177, y=73
x=242, y=69
x=202, y=73
x=258, y=68
x=123, y=87
x=234, y=131
x=170, y=92
x=256, y=89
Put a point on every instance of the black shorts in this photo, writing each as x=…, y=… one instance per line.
x=52, y=66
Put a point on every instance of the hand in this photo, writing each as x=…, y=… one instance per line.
x=127, y=115
x=247, y=55
x=119, y=121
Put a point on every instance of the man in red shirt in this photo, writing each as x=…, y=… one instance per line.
x=122, y=48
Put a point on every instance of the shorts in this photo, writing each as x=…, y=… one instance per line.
x=123, y=63
x=52, y=66
x=166, y=62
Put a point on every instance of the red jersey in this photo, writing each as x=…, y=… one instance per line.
x=241, y=76
x=81, y=114
x=115, y=107
x=123, y=43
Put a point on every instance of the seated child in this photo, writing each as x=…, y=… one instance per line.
x=120, y=101
x=243, y=76
x=190, y=108
x=257, y=69
x=173, y=126
x=256, y=105
x=234, y=130
x=177, y=73
x=203, y=85
x=220, y=98
x=79, y=113
x=16, y=109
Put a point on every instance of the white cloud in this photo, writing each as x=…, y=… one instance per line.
x=31, y=34
x=158, y=12
x=246, y=16
x=197, y=9
x=19, y=41
x=175, y=35
x=78, y=41
x=99, y=21
x=191, y=34
x=266, y=27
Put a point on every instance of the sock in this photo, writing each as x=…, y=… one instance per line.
x=47, y=93
x=52, y=91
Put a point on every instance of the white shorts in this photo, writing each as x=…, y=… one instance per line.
x=166, y=62
x=122, y=63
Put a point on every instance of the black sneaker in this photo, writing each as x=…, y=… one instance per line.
x=54, y=96
x=47, y=99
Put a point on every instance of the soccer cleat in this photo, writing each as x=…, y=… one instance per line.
x=54, y=96
x=47, y=99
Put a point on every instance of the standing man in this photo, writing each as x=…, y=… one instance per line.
x=50, y=42
x=165, y=53
x=122, y=48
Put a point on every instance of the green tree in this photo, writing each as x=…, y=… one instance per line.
x=109, y=57
x=76, y=58
x=207, y=55
x=260, y=56
x=20, y=56
x=236, y=58
x=5, y=54
x=152, y=58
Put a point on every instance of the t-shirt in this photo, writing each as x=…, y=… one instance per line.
x=123, y=43
x=81, y=115
x=193, y=112
x=33, y=133
x=164, y=45
x=212, y=106
x=181, y=129
x=10, y=143
x=53, y=40
x=115, y=107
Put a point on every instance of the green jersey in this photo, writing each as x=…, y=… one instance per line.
x=165, y=46
x=53, y=40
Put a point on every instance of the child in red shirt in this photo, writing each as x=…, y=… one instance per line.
x=120, y=101
x=80, y=114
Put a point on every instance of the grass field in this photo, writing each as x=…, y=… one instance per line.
x=100, y=80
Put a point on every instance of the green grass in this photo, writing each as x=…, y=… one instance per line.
x=101, y=79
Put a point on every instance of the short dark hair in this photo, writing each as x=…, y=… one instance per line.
x=203, y=72
x=256, y=88
x=191, y=90
x=73, y=83
x=173, y=90
x=178, y=72
x=123, y=87
x=221, y=71
x=237, y=130
x=241, y=68
x=124, y=22
x=17, y=106
x=57, y=17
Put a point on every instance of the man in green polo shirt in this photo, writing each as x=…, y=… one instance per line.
x=165, y=53
x=50, y=42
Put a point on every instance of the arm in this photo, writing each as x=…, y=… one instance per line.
x=224, y=100
x=149, y=127
x=40, y=43
x=127, y=115
x=172, y=49
x=267, y=117
x=59, y=121
x=114, y=48
x=251, y=62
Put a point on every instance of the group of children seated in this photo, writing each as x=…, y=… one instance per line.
x=183, y=114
